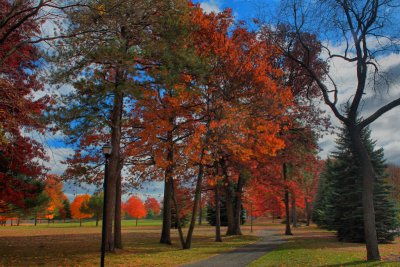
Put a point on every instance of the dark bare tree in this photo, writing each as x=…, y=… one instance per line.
x=366, y=31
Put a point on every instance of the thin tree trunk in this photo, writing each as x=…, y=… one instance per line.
x=118, y=203
x=196, y=203
x=35, y=219
x=294, y=212
x=200, y=212
x=18, y=220
x=97, y=220
x=368, y=177
x=177, y=219
x=136, y=221
x=288, y=231
x=217, y=215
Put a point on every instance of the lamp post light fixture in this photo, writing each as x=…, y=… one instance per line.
x=107, y=148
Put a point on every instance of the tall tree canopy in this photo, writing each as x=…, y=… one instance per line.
x=20, y=110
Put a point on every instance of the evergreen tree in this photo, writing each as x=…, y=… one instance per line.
x=211, y=214
x=322, y=205
x=67, y=208
x=339, y=207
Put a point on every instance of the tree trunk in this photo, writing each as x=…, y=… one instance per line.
x=97, y=220
x=196, y=203
x=238, y=205
x=288, y=231
x=18, y=219
x=166, y=225
x=200, y=212
x=136, y=221
x=35, y=219
x=80, y=222
x=118, y=203
x=217, y=215
x=228, y=199
x=294, y=212
x=116, y=119
x=177, y=218
x=368, y=178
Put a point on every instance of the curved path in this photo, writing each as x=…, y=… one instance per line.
x=242, y=256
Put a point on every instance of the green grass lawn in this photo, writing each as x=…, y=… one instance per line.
x=67, y=244
x=79, y=246
x=315, y=247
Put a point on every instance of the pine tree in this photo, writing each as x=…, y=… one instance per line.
x=67, y=208
x=339, y=205
x=211, y=214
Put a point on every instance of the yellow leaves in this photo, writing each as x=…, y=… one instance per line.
x=101, y=9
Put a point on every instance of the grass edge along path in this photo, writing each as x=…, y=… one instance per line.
x=311, y=246
x=242, y=256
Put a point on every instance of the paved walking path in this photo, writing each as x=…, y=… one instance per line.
x=242, y=256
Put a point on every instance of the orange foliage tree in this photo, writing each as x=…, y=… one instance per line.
x=53, y=189
x=135, y=208
x=78, y=208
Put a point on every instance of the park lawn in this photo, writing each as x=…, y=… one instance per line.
x=310, y=246
x=89, y=223
x=79, y=246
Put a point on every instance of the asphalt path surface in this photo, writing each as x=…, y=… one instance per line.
x=244, y=255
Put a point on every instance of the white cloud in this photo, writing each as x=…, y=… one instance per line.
x=57, y=155
x=211, y=6
x=384, y=129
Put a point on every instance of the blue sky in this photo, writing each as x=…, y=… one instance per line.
x=385, y=130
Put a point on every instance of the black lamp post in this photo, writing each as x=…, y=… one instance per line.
x=107, y=148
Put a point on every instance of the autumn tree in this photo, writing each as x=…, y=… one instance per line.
x=79, y=208
x=167, y=107
x=153, y=207
x=53, y=189
x=101, y=106
x=135, y=208
x=243, y=118
x=65, y=211
x=95, y=206
x=20, y=111
x=355, y=25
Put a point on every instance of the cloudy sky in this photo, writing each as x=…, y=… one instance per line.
x=385, y=130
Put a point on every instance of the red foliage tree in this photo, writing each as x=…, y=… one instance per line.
x=135, y=208
x=153, y=205
x=19, y=109
x=77, y=208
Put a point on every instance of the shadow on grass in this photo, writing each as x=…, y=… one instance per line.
x=315, y=243
x=357, y=263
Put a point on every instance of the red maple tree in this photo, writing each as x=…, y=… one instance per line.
x=135, y=208
x=153, y=205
